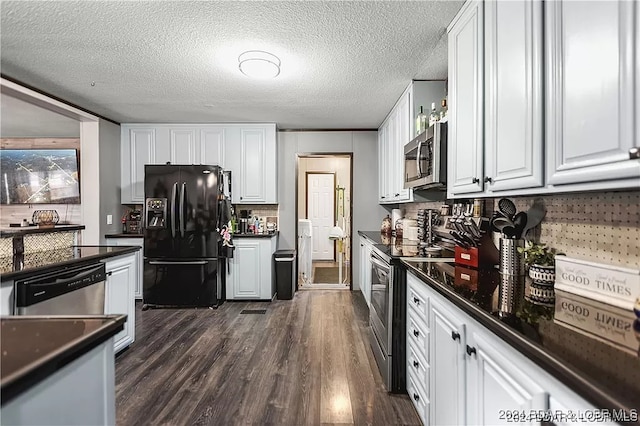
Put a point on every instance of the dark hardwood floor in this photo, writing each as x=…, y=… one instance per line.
x=305, y=361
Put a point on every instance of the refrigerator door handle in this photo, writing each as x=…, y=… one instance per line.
x=173, y=209
x=183, y=225
x=188, y=262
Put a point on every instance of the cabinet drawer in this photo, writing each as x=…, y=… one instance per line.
x=419, y=399
x=419, y=302
x=418, y=336
x=418, y=368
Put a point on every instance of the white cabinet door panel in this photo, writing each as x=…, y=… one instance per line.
x=142, y=149
x=183, y=146
x=497, y=385
x=448, y=375
x=246, y=270
x=466, y=144
x=513, y=94
x=589, y=80
x=212, y=146
x=119, y=296
x=252, y=165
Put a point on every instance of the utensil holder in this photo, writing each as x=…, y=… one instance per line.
x=511, y=262
x=511, y=290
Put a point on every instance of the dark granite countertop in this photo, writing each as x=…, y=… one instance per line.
x=595, y=354
x=24, y=230
x=35, y=263
x=394, y=249
x=124, y=235
x=263, y=235
x=34, y=347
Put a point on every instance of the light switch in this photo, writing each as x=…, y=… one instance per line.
x=109, y=219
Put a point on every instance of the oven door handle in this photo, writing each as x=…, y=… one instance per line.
x=381, y=263
x=418, y=153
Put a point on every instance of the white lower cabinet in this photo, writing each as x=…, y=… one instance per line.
x=122, y=273
x=365, y=269
x=133, y=241
x=250, y=271
x=462, y=373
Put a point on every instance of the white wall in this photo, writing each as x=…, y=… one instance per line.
x=109, y=178
x=367, y=213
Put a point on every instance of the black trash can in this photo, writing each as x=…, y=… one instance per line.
x=285, y=276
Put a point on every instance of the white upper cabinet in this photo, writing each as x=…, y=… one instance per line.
x=252, y=159
x=513, y=95
x=137, y=149
x=182, y=143
x=212, y=140
x=247, y=150
x=465, y=138
x=590, y=92
x=396, y=131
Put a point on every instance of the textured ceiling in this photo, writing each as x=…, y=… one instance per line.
x=344, y=64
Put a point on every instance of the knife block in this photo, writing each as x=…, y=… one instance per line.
x=485, y=255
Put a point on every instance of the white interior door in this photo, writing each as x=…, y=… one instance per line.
x=320, y=200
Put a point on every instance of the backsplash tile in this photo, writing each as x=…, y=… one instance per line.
x=598, y=226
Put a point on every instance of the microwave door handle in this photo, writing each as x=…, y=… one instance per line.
x=183, y=225
x=418, y=152
x=173, y=209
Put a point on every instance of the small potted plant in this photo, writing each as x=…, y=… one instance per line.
x=541, y=262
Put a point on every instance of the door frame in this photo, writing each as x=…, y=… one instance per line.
x=306, y=201
x=348, y=155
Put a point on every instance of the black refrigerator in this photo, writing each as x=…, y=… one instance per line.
x=182, y=215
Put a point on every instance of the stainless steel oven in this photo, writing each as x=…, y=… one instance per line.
x=425, y=159
x=380, y=315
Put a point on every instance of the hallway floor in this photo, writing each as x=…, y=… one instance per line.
x=305, y=361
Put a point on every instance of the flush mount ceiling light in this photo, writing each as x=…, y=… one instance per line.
x=259, y=64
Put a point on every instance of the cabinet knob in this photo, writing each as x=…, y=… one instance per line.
x=634, y=153
x=487, y=179
x=397, y=194
x=475, y=180
x=416, y=364
x=383, y=197
x=416, y=333
x=416, y=300
x=471, y=350
x=455, y=335
x=110, y=273
x=416, y=396
x=241, y=198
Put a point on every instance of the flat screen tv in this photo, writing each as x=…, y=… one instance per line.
x=39, y=176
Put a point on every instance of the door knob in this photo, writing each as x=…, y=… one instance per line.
x=416, y=333
x=471, y=350
x=455, y=335
x=488, y=179
x=416, y=364
x=416, y=300
x=475, y=180
x=416, y=397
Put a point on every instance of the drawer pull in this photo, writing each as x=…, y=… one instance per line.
x=416, y=333
x=455, y=335
x=416, y=364
x=416, y=300
x=416, y=396
x=471, y=350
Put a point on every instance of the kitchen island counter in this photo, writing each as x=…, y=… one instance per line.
x=21, y=266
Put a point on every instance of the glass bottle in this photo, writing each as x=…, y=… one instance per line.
x=434, y=116
x=421, y=121
x=443, y=111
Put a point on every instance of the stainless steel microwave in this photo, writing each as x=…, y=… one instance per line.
x=425, y=159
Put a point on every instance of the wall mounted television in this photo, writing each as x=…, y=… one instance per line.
x=39, y=176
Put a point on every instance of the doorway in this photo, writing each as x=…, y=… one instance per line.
x=323, y=192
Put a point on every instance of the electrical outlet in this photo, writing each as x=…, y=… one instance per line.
x=109, y=219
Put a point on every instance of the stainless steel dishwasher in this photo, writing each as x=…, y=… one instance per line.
x=72, y=291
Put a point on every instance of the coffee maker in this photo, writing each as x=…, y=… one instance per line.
x=244, y=221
